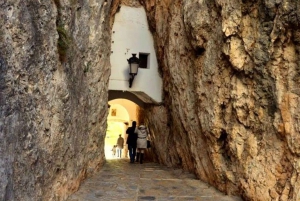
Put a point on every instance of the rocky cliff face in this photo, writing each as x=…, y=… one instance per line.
x=54, y=70
x=231, y=93
x=231, y=90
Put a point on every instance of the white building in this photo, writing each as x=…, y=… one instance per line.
x=131, y=35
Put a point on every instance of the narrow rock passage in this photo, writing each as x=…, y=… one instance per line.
x=119, y=180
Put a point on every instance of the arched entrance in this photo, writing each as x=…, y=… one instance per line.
x=121, y=114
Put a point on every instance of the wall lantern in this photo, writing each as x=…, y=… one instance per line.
x=133, y=68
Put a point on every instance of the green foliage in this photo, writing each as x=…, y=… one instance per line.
x=64, y=40
x=1, y=33
x=87, y=67
x=63, y=43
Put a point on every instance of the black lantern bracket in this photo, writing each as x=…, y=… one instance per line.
x=131, y=80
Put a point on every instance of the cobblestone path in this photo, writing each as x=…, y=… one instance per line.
x=119, y=180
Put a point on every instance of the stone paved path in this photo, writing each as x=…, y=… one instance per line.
x=121, y=181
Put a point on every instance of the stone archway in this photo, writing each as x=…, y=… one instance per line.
x=115, y=94
x=121, y=114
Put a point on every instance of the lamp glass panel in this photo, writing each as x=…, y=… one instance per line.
x=134, y=68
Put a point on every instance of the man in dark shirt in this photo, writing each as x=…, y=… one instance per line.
x=131, y=141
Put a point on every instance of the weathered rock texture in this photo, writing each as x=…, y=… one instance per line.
x=54, y=70
x=231, y=72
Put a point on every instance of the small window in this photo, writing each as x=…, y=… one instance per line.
x=144, y=60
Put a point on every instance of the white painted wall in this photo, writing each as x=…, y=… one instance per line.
x=131, y=35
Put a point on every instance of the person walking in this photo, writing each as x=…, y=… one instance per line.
x=131, y=141
x=142, y=133
x=114, y=150
x=120, y=145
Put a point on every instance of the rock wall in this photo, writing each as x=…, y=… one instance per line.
x=54, y=70
x=231, y=93
x=231, y=72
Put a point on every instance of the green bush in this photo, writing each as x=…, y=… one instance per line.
x=63, y=43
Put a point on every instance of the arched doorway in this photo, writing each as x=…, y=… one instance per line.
x=121, y=114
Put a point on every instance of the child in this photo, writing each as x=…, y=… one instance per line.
x=114, y=150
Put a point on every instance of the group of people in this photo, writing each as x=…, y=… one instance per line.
x=137, y=142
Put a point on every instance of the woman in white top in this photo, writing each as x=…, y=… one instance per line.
x=142, y=133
